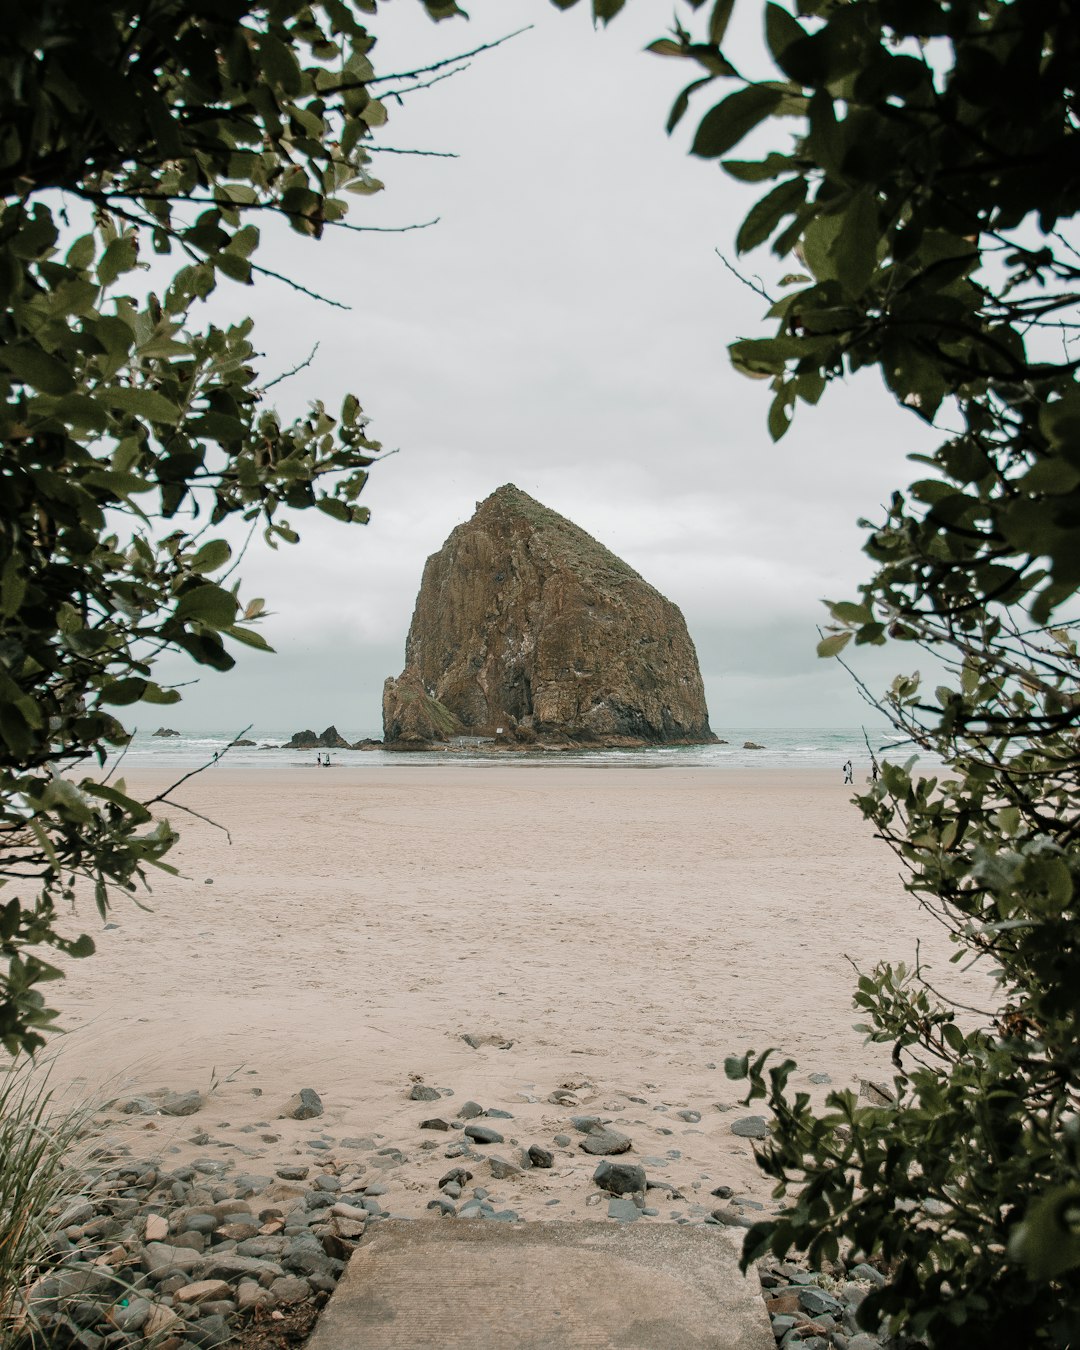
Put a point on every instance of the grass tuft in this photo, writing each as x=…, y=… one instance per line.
x=35, y=1138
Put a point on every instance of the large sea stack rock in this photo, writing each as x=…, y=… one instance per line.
x=527, y=629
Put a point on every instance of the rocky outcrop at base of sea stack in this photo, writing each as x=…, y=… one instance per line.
x=529, y=631
x=330, y=739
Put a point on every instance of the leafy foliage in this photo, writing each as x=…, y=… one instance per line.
x=127, y=434
x=923, y=211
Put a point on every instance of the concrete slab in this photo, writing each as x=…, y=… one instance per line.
x=418, y=1285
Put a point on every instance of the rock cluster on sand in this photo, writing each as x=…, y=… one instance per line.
x=206, y=1252
x=528, y=630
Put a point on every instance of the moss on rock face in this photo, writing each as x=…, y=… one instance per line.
x=411, y=717
x=527, y=626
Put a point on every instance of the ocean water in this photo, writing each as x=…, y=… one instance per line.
x=784, y=748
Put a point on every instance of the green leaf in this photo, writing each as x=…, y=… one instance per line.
x=719, y=20
x=38, y=369
x=1047, y=1242
x=211, y=556
x=765, y=215
x=781, y=30
x=121, y=255
x=209, y=605
x=854, y=249
x=146, y=403
x=725, y=125
x=833, y=645
x=249, y=636
x=119, y=693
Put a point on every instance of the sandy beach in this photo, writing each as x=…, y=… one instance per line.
x=608, y=933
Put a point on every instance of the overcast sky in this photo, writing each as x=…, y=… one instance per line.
x=563, y=327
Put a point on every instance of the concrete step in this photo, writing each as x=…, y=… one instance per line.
x=480, y=1285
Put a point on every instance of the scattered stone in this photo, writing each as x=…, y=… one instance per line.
x=290, y=1289
x=293, y=1172
x=619, y=1178
x=160, y=1321
x=421, y=1092
x=751, y=1127
x=502, y=1168
x=435, y=1123
x=203, y=1291
x=817, y=1302
x=303, y=1105
x=820, y=1078
x=470, y=1110
x=541, y=1157
x=730, y=1218
x=692, y=1116
x=130, y=1314
x=496, y=1113
x=562, y=1140
x=139, y=1106
x=160, y=1259
x=603, y=1141
x=499, y=1042
x=483, y=1134
x=723, y=1192
x=623, y=1209
x=877, y=1094
x=182, y=1103
x=157, y=1228
x=460, y=1175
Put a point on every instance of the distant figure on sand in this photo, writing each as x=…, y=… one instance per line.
x=847, y=773
x=873, y=769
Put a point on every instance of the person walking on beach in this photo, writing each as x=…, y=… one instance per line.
x=873, y=769
x=847, y=773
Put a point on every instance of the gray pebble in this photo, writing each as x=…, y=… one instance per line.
x=182, y=1103
x=483, y=1134
x=619, y=1178
x=605, y=1142
x=750, y=1127
x=623, y=1209
x=304, y=1105
x=540, y=1157
x=502, y=1169
x=421, y=1092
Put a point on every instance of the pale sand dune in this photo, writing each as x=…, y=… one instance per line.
x=624, y=928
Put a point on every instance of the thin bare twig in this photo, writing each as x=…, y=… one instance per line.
x=393, y=150
x=288, y=374
x=190, y=811
x=449, y=60
x=757, y=285
x=217, y=757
